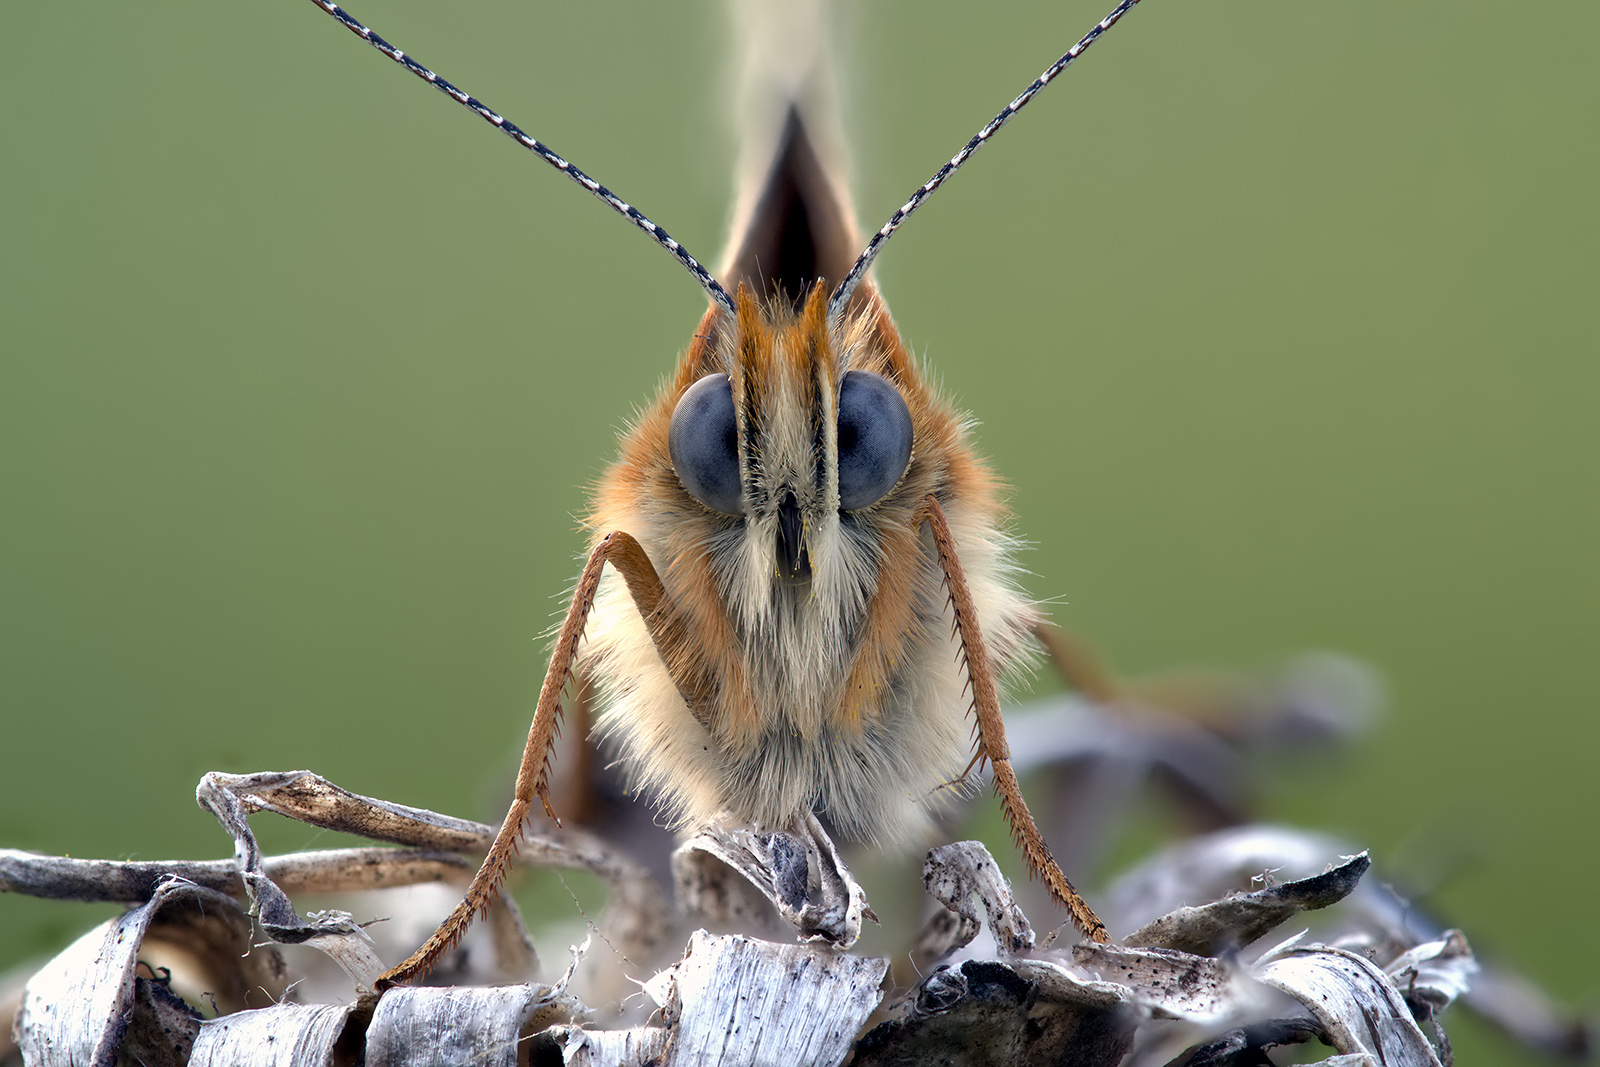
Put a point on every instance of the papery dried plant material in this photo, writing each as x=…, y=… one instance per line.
x=285, y=1035
x=642, y=1046
x=1436, y=972
x=203, y=941
x=465, y=1025
x=232, y=799
x=1239, y=860
x=635, y=920
x=1068, y=729
x=1359, y=1007
x=1077, y=1006
x=960, y=877
x=1167, y=983
x=1236, y=921
x=797, y=869
x=330, y=871
x=737, y=1001
x=732, y=999
x=338, y=870
x=335, y=934
x=718, y=898
x=481, y=1026
x=1080, y=1007
x=1431, y=977
x=79, y=1007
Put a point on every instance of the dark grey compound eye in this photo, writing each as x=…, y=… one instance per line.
x=874, y=439
x=704, y=442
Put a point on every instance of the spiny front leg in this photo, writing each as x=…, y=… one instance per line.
x=644, y=585
x=992, y=729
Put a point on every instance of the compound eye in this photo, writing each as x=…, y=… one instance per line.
x=704, y=442
x=874, y=439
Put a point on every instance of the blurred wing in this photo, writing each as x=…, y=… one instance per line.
x=793, y=222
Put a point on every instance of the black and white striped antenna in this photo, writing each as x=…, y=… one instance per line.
x=543, y=151
x=847, y=287
x=852, y=279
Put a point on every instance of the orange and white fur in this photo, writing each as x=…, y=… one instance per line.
x=844, y=690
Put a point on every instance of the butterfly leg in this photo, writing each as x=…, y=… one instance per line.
x=625, y=554
x=992, y=730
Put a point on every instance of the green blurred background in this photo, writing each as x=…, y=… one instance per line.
x=1279, y=317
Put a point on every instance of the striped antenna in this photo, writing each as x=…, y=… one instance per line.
x=847, y=287
x=718, y=294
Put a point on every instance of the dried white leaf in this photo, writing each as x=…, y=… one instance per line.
x=1357, y=1004
x=1212, y=866
x=77, y=1008
x=798, y=870
x=285, y=1035
x=1436, y=971
x=638, y=1047
x=733, y=1000
x=339, y=938
x=1236, y=921
x=635, y=921
x=461, y=1026
x=964, y=875
x=1170, y=984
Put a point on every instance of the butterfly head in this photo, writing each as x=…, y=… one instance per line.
x=784, y=437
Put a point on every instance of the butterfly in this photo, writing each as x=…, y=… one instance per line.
x=799, y=591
